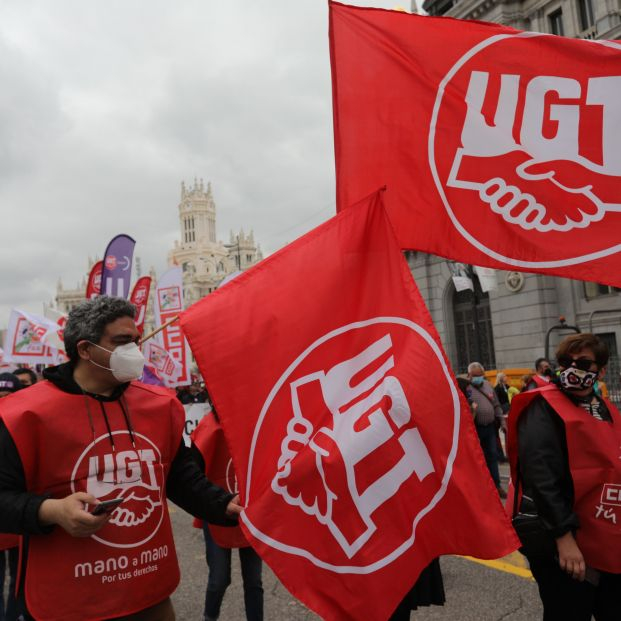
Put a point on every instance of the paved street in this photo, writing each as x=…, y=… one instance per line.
x=474, y=591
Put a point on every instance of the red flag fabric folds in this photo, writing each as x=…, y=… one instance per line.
x=498, y=147
x=356, y=459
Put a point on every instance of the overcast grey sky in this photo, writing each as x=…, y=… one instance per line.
x=107, y=106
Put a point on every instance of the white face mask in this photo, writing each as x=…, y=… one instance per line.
x=126, y=362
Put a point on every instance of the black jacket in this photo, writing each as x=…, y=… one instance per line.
x=186, y=484
x=544, y=466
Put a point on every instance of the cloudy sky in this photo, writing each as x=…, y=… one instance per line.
x=107, y=106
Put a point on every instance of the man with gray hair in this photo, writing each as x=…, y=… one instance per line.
x=88, y=459
x=487, y=414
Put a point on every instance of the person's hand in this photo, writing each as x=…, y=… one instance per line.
x=234, y=508
x=70, y=514
x=570, y=558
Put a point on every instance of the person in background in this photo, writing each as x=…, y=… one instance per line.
x=502, y=391
x=511, y=392
x=525, y=380
x=463, y=384
x=564, y=450
x=543, y=374
x=192, y=394
x=9, y=550
x=488, y=417
x=27, y=377
x=211, y=454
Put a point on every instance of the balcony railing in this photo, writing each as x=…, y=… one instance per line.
x=589, y=33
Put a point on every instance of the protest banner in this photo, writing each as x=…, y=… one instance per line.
x=117, y=266
x=168, y=304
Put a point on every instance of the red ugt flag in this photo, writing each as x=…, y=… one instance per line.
x=357, y=463
x=498, y=147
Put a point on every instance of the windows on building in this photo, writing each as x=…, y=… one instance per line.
x=474, y=337
x=595, y=290
x=556, y=22
x=189, y=234
x=585, y=10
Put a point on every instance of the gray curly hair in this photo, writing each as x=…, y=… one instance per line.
x=88, y=320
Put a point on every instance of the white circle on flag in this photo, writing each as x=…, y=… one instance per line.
x=565, y=262
x=445, y=477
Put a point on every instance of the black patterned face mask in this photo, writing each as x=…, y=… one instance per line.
x=576, y=379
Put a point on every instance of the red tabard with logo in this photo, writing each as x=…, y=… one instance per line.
x=594, y=451
x=131, y=563
x=208, y=438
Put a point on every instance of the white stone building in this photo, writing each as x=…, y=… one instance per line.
x=205, y=261
x=586, y=19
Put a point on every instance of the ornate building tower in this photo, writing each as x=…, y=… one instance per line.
x=205, y=261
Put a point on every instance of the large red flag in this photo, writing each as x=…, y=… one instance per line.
x=356, y=460
x=498, y=147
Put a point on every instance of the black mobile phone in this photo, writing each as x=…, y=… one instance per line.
x=106, y=506
x=592, y=576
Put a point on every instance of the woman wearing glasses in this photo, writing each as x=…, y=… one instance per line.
x=565, y=449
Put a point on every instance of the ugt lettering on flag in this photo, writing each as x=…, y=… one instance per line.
x=498, y=148
x=352, y=447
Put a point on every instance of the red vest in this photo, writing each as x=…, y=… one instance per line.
x=131, y=563
x=208, y=438
x=594, y=451
x=540, y=382
x=8, y=541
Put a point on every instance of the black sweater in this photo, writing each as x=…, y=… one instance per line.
x=544, y=466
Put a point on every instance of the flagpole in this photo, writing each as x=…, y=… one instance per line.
x=158, y=330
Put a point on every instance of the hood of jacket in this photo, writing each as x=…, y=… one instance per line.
x=62, y=377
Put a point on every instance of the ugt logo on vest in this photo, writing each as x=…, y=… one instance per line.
x=134, y=474
x=359, y=455
x=535, y=147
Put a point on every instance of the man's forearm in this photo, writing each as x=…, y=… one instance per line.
x=19, y=513
x=188, y=488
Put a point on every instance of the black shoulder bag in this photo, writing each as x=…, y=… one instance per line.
x=535, y=539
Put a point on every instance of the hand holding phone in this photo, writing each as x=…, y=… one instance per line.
x=106, y=506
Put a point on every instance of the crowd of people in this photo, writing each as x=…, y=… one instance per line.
x=90, y=431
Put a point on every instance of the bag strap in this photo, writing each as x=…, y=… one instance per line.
x=490, y=399
x=516, y=489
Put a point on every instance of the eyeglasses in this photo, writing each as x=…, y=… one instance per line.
x=583, y=364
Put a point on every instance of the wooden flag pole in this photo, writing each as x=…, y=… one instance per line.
x=158, y=330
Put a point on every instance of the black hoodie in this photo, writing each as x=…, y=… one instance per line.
x=186, y=484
